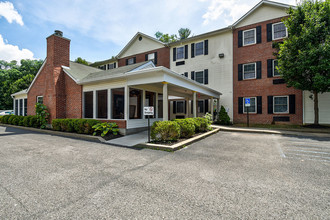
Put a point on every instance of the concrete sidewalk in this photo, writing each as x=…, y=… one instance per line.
x=130, y=140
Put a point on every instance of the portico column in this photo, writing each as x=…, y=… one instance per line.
x=126, y=105
x=94, y=104
x=165, y=101
x=143, y=102
x=211, y=108
x=187, y=107
x=195, y=104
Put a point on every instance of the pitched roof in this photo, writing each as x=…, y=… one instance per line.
x=24, y=91
x=78, y=71
x=102, y=62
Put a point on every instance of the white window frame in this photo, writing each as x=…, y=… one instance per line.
x=41, y=97
x=128, y=61
x=195, y=49
x=256, y=104
x=255, y=36
x=287, y=104
x=184, y=106
x=273, y=29
x=203, y=76
x=255, y=70
x=153, y=56
x=274, y=69
x=177, y=53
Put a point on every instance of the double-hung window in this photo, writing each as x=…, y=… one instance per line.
x=111, y=66
x=281, y=104
x=279, y=31
x=200, y=106
x=130, y=61
x=249, y=37
x=40, y=99
x=275, y=71
x=249, y=71
x=179, y=53
x=180, y=107
x=151, y=56
x=253, y=104
x=199, y=48
x=199, y=77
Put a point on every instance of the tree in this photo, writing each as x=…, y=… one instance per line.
x=81, y=61
x=166, y=38
x=303, y=58
x=184, y=33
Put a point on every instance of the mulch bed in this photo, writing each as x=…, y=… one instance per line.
x=316, y=126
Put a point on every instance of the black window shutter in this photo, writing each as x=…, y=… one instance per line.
x=240, y=105
x=186, y=74
x=258, y=34
x=192, y=106
x=259, y=104
x=259, y=70
x=174, y=54
x=269, y=68
x=206, y=104
x=206, y=76
x=270, y=104
x=114, y=65
x=185, y=107
x=174, y=107
x=134, y=59
x=126, y=62
x=146, y=57
x=269, y=32
x=186, y=51
x=292, y=104
x=155, y=60
x=240, y=38
x=193, y=75
x=240, y=72
x=206, y=47
x=192, y=50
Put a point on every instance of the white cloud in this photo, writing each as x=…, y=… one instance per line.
x=8, y=11
x=10, y=52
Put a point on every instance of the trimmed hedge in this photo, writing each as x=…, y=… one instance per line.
x=165, y=131
x=27, y=121
x=81, y=126
x=187, y=127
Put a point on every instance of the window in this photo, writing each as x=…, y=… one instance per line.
x=103, y=67
x=130, y=61
x=151, y=56
x=275, y=71
x=118, y=101
x=21, y=107
x=25, y=107
x=200, y=106
x=40, y=99
x=281, y=104
x=249, y=37
x=253, y=104
x=135, y=104
x=180, y=106
x=102, y=103
x=199, y=48
x=179, y=53
x=249, y=71
x=16, y=106
x=279, y=31
x=88, y=104
x=111, y=66
x=199, y=76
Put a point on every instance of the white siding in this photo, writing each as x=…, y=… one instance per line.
x=324, y=108
x=104, y=85
x=141, y=47
x=220, y=70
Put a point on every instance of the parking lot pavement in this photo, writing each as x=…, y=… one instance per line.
x=227, y=175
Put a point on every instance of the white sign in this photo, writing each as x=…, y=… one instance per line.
x=247, y=102
x=148, y=110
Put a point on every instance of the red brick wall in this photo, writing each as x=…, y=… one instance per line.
x=260, y=87
x=163, y=57
x=73, y=98
x=120, y=123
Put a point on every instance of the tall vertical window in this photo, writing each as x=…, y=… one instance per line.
x=249, y=37
x=252, y=108
x=281, y=104
x=179, y=53
x=199, y=48
x=135, y=103
x=180, y=106
x=88, y=104
x=200, y=76
x=249, y=71
x=40, y=99
x=118, y=103
x=275, y=71
x=151, y=101
x=21, y=107
x=279, y=31
x=25, y=107
x=16, y=106
x=102, y=103
x=200, y=106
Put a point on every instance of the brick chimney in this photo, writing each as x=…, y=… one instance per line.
x=58, y=49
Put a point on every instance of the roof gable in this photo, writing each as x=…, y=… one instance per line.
x=263, y=11
x=140, y=43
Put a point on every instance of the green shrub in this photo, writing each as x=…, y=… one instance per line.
x=67, y=125
x=165, y=131
x=204, y=124
x=56, y=124
x=105, y=128
x=34, y=122
x=20, y=120
x=223, y=118
x=1, y=118
x=187, y=127
x=209, y=117
x=5, y=119
x=12, y=119
x=42, y=115
x=84, y=126
x=197, y=124
x=26, y=120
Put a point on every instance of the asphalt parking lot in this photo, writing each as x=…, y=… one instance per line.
x=227, y=175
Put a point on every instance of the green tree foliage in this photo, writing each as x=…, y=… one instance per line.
x=166, y=38
x=303, y=58
x=81, y=61
x=14, y=78
x=184, y=33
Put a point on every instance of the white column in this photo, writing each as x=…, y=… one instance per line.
x=23, y=107
x=15, y=105
x=126, y=106
x=187, y=107
x=109, y=104
x=195, y=104
x=211, y=107
x=165, y=101
x=143, y=102
x=156, y=107
x=94, y=104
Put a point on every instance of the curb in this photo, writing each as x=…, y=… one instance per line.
x=59, y=133
x=179, y=145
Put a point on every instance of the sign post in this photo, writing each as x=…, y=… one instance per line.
x=148, y=111
x=247, y=104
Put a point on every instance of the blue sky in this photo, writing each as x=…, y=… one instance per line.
x=99, y=29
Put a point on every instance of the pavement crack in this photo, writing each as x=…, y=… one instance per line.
x=16, y=199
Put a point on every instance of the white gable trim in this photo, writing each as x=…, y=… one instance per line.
x=143, y=66
x=35, y=78
x=277, y=4
x=133, y=39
